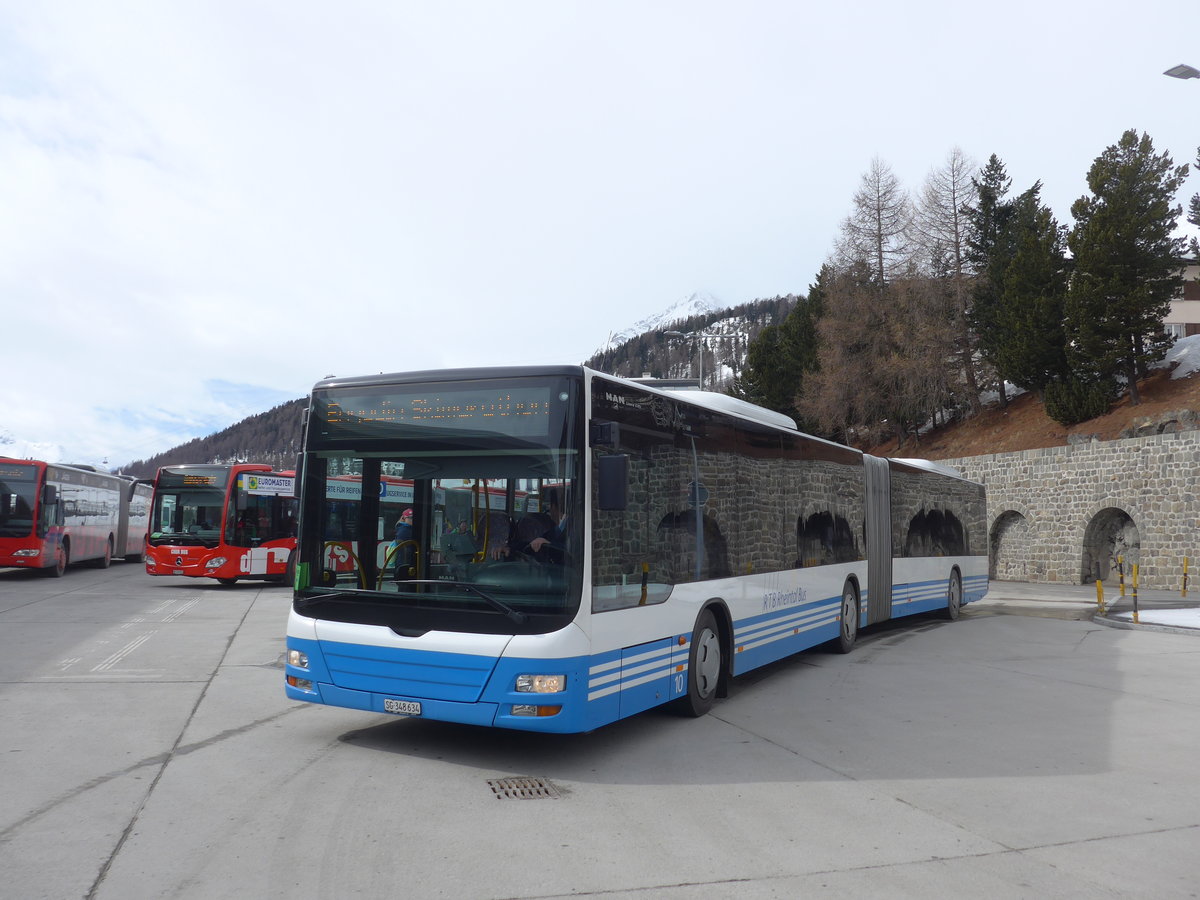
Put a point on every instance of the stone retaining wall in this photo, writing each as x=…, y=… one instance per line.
x=1065, y=514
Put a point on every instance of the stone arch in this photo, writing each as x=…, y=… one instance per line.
x=1110, y=538
x=1011, y=545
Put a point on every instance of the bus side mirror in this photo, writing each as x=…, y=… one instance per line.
x=605, y=434
x=612, y=481
x=49, y=494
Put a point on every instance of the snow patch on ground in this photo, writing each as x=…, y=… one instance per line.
x=1186, y=354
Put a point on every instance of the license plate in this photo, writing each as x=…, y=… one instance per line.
x=402, y=707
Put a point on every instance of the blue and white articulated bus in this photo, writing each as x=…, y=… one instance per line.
x=650, y=546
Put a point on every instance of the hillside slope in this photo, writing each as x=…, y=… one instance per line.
x=1024, y=425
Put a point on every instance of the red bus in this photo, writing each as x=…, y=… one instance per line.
x=52, y=515
x=222, y=522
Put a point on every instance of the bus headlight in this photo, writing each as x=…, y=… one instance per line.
x=215, y=563
x=27, y=552
x=298, y=658
x=541, y=684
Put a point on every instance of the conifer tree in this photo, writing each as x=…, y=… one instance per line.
x=1127, y=263
x=780, y=358
x=1193, y=215
x=877, y=233
x=988, y=255
x=942, y=226
x=1030, y=344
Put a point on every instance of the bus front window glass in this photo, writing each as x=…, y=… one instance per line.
x=188, y=506
x=18, y=487
x=495, y=535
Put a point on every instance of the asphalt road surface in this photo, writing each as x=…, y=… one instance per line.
x=1023, y=751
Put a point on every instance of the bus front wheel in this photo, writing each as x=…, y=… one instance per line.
x=953, y=598
x=62, y=556
x=704, y=667
x=848, y=633
x=227, y=581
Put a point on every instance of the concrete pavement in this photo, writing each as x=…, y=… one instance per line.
x=1158, y=610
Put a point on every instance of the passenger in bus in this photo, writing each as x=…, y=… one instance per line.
x=404, y=548
x=460, y=549
x=246, y=530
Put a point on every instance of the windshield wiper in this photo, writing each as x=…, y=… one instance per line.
x=305, y=602
x=358, y=597
x=498, y=605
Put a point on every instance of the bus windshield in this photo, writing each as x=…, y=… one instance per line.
x=18, y=490
x=188, y=505
x=443, y=506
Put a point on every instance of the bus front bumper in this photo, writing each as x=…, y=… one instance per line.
x=495, y=703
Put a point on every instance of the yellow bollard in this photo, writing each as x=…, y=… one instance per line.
x=1135, y=585
x=1121, y=572
x=1100, y=596
x=1183, y=593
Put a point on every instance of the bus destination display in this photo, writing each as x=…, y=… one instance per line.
x=518, y=411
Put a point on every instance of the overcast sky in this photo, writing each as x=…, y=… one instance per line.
x=205, y=207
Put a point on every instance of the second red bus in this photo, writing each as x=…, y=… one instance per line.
x=224, y=522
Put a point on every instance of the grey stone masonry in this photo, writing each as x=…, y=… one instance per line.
x=1092, y=510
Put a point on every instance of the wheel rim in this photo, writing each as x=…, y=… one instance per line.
x=708, y=662
x=955, y=601
x=849, y=615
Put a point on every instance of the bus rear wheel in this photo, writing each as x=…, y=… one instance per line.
x=103, y=562
x=704, y=667
x=954, y=595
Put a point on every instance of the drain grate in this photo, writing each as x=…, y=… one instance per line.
x=523, y=789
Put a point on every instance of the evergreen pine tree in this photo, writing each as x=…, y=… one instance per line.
x=1193, y=215
x=1127, y=267
x=988, y=255
x=780, y=358
x=1030, y=344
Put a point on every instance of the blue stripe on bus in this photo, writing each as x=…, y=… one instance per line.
x=639, y=677
x=767, y=637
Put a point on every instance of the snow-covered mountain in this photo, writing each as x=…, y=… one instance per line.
x=16, y=448
x=696, y=304
x=713, y=347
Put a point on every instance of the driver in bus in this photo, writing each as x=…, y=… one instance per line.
x=551, y=545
